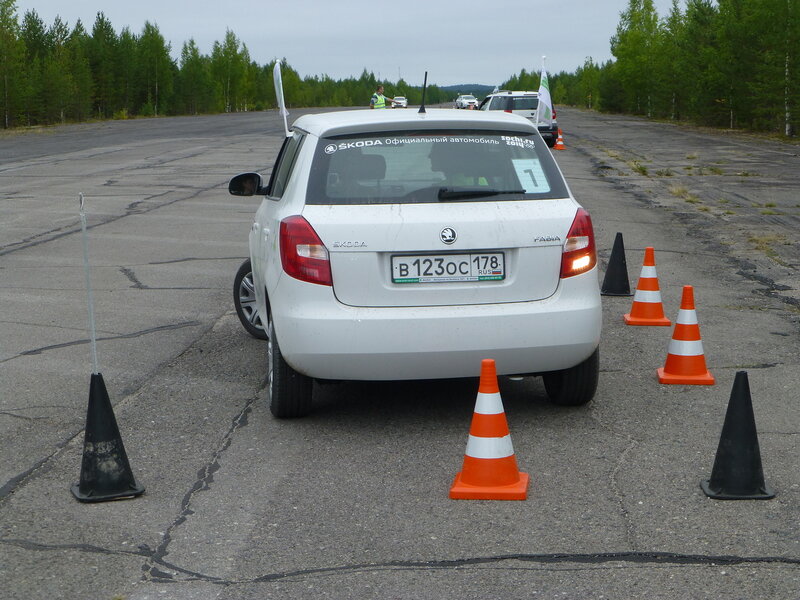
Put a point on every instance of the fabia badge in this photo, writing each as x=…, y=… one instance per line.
x=448, y=235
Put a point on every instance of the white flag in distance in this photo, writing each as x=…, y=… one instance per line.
x=544, y=112
x=276, y=75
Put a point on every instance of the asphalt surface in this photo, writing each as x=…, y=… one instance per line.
x=352, y=502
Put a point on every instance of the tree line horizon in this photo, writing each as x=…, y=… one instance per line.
x=724, y=63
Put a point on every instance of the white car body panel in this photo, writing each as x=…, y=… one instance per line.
x=362, y=274
x=326, y=339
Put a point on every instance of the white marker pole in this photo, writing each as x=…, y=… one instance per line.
x=92, y=334
x=278, y=80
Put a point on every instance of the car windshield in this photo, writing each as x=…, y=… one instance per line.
x=433, y=166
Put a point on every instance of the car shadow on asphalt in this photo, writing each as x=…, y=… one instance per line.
x=428, y=399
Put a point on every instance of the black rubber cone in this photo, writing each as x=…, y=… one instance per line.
x=737, y=472
x=105, y=471
x=615, y=282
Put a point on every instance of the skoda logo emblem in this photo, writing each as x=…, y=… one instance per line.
x=448, y=235
x=330, y=149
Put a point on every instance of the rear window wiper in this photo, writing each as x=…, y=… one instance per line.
x=461, y=193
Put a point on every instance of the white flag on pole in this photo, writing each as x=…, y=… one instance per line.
x=276, y=75
x=544, y=112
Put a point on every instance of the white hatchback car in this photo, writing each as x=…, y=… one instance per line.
x=466, y=101
x=397, y=245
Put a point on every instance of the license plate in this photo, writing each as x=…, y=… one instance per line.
x=443, y=268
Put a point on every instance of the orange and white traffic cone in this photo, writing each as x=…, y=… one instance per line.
x=559, y=145
x=490, y=469
x=686, y=363
x=647, y=308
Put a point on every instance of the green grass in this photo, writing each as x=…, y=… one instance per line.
x=639, y=168
x=764, y=244
x=683, y=193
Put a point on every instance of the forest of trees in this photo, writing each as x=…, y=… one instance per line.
x=54, y=74
x=729, y=63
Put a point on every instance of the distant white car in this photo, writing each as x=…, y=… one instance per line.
x=466, y=101
x=399, y=102
x=394, y=245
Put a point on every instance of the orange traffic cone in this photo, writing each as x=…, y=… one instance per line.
x=559, y=145
x=647, y=308
x=685, y=361
x=490, y=468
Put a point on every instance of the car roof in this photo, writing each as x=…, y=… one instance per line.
x=363, y=121
x=513, y=93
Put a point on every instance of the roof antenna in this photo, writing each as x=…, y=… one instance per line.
x=424, y=87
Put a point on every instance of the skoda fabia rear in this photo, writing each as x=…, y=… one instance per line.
x=397, y=246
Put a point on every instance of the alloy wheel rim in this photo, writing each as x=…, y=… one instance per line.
x=247, y=302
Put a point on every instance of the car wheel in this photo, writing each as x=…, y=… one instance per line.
x=244, y=298
x=550, y=142
x=289, y=391
x=574, y=386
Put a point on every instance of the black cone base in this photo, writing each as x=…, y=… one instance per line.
x=615, y=282
x=737, y=473
x=764, y=493
x=105, y=471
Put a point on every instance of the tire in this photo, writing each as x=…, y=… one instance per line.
x=574, y=386
x=289, y=391
x=244, y=298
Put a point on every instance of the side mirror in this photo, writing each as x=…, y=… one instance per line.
x=247, y=184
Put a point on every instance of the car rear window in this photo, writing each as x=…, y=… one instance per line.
x=513, y=103
x=524, y=103
x=433, y=166
x=499, y=103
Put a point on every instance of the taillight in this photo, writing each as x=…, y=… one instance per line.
x=303, y=255
x=508, y=110
x=554, y=112
x=579, y=254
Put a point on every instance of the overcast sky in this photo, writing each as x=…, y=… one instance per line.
x=466, y=41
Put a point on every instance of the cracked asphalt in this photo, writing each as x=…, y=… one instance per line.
x=352, y=501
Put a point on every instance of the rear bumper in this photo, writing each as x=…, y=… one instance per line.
x=327, y=340
x=549, y=132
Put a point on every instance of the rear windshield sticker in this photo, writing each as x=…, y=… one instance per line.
x=531, y=175
x=520, y=142
x=401, y=141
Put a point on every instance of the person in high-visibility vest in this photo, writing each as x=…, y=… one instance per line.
x=378, y=100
